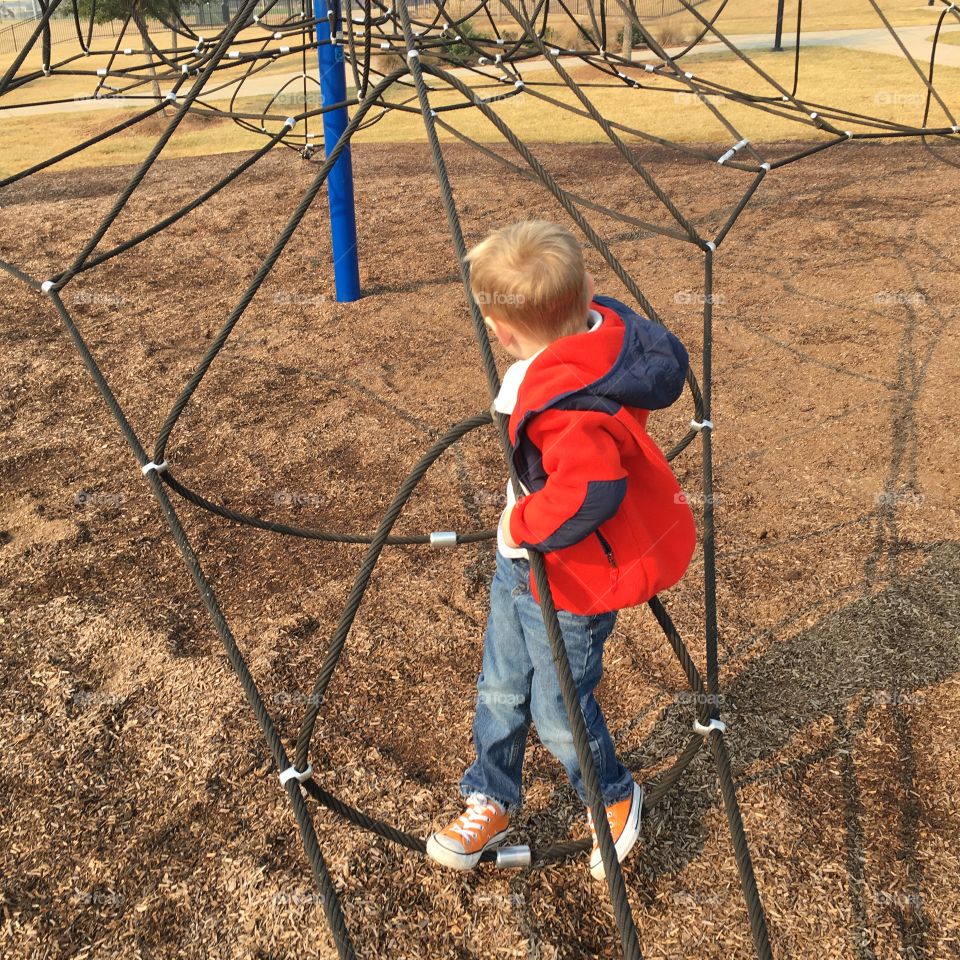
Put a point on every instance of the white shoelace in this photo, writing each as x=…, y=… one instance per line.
x=479, y=809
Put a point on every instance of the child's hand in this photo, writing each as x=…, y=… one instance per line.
x=505, y=528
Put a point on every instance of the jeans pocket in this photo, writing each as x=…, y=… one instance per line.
x=601, y=626
x=522, y=573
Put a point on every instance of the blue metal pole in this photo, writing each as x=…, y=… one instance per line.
x=343, y=215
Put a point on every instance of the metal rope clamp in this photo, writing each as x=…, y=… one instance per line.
x=292, y=773
x=514, y=858
x=706, y=729
x=153, y=465
x=735, y=149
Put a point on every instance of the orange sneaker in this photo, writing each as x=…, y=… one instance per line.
x=624, y=820
x=482, y=825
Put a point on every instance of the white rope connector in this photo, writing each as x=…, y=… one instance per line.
x=292, y=773
x=498, y=58
x=153, y=465
x=256, y=18
x=482, y=60
x=649, y=67
x=764, y=166
x=955, y=128
x=689, y=76
x=554, y=51
x=171, y=97
x=384, y=44
x=712, y=246
x=284, y=49
x=500, y=41
x=705, y=729
x=184, y=68
x=278, y=36
x=128, y=50
x=443, y=538
x=101, y=71
x=234, y=54
x=732, y=151
x=290, y=122
x=518, y=84
x=413, y=54
x=814, y=115
x=699, y=425
x=849, y=134
x=46, y=286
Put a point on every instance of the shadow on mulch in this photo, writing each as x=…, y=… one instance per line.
x=874, y=657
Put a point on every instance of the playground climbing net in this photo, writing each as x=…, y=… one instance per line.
x=401, y=59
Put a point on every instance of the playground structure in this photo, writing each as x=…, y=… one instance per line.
x=431, y=50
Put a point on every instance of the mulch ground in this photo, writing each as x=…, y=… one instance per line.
x=142, y=818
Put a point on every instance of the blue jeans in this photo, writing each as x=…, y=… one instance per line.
x=518, y=684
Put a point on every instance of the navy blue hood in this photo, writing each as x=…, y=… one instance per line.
x=652, y=366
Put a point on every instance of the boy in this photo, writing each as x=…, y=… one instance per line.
x=600, y=502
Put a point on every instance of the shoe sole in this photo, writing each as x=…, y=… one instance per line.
x=460, y=861
x=628, y=838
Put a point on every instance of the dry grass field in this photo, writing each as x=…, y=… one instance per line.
x=882, y=85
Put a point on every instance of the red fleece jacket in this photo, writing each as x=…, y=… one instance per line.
x=604, y=507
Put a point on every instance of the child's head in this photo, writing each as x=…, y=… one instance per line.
x=530, y=281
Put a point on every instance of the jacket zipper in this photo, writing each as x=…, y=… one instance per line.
x=606, y=548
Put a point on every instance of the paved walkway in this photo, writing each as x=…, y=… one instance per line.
x=870, y=41
x=876, y=40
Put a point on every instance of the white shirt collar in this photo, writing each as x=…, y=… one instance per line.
x=510, y=386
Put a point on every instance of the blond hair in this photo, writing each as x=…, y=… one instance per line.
x=532, y=276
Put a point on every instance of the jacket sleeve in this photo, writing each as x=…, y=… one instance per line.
x=586, y=482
